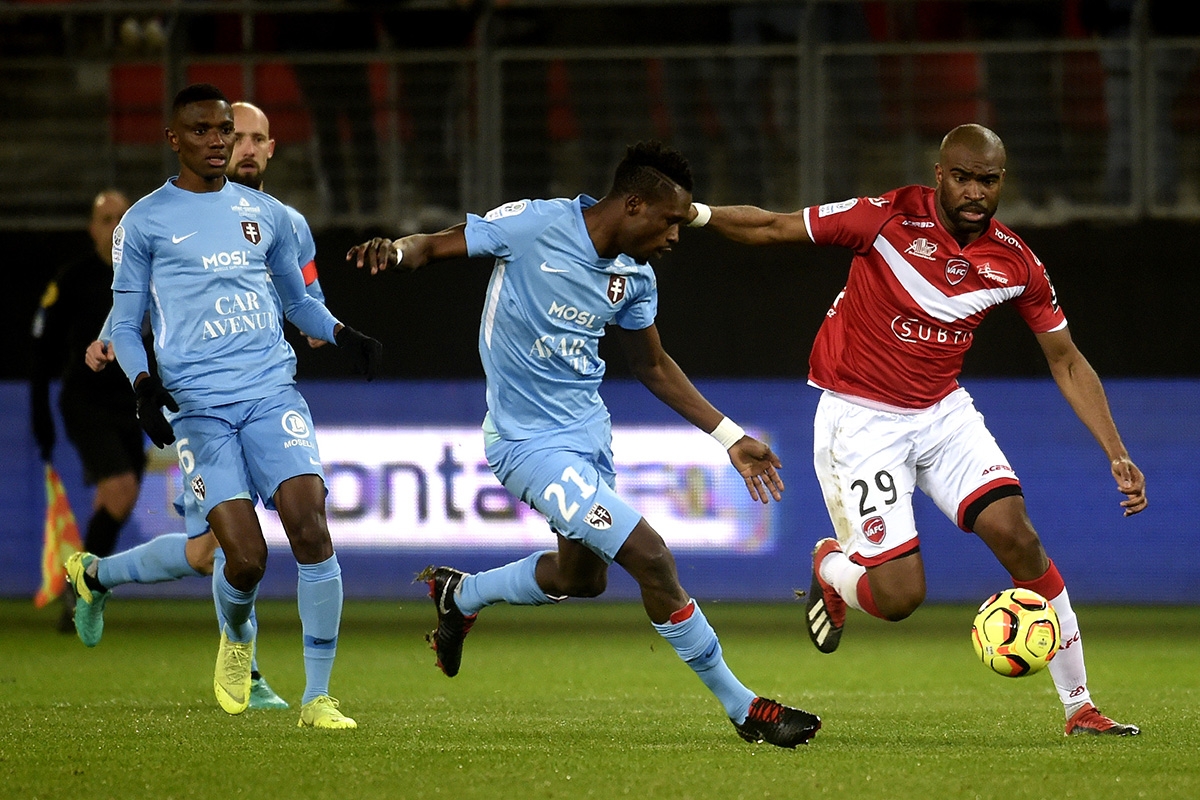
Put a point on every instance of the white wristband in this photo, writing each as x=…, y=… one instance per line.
x=727, y=432
x=703, y=215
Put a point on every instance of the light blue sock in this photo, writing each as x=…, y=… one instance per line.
x=319, y=596
x=235, y=607
x=697, y=644
x=219, y=566
x=163, y=558
x=515, y=584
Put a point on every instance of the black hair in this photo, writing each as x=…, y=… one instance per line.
x=196, y=93
x=647, y=169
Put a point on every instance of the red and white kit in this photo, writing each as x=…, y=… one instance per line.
x=888, y=356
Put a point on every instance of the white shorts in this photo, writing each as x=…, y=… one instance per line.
x=869, y=460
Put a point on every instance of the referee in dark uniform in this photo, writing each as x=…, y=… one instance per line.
x=98, y=408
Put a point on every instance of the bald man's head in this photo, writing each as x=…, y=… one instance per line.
x=252, y=145
x=970, y=175
x=107, y=209
x=976, y=138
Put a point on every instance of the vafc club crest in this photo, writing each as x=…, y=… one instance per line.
x=956, y=270
x=250, y=231
x=198, y=488
x=874, y=529
x=616, y=288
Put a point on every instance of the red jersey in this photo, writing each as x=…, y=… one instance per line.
x=898, y=332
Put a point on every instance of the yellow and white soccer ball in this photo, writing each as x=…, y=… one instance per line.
x=1016, y=632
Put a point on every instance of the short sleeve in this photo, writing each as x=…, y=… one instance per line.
x=131, y=255
x=506, y=229
x=852, y=223
x=639, y=313
x=1038, y=304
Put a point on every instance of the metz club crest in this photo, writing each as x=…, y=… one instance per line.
x=599, y=518
x=616, y=288
x=250, y=231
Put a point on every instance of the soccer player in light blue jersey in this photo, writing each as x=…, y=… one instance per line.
x=202, y=253
x=567, y=271
x=173, y=556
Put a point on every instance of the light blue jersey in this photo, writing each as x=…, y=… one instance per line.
x=549, y=298
x=307, y=255
x=307, y=249
x=199, y=261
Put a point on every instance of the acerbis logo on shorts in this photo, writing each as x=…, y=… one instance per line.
x=599, y=518
x=294, y=424
x=198, y=487
x=874, y=529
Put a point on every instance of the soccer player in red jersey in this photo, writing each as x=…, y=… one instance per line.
x=928, y=265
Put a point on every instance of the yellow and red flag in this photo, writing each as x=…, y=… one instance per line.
x=60, y=542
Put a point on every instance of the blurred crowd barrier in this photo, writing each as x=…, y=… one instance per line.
x=410, y=113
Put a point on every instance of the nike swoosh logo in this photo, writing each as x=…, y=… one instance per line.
x=178, y=239
x=547, y=268
x=314, y=463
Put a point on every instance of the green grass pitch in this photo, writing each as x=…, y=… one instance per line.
x=585, y=700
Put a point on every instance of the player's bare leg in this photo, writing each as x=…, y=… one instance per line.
x=117, y=494
x=898, y=586
x=646, y=557
x=1004, y=526
x=572, y=571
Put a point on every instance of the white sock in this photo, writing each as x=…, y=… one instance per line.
x=1067, y=669
x=843, y=575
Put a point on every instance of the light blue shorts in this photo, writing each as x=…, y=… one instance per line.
x=569, y=477
x=242, y=451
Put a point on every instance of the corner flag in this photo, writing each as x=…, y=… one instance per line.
x=61, y=539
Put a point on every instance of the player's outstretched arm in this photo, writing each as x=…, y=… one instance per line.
x=750, y=224
x=659, y=373
x=411, y=252
x=1081, y=386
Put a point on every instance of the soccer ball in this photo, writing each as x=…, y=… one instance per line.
x=1016, y=632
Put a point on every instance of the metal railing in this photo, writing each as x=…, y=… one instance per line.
x=1096, y=128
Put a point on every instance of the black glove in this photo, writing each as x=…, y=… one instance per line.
x=151, y=398
x=43, y=424
x=364, y=351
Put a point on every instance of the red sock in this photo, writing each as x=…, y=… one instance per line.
x=682, y=614
x=1049, y=586
x=867, y=600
